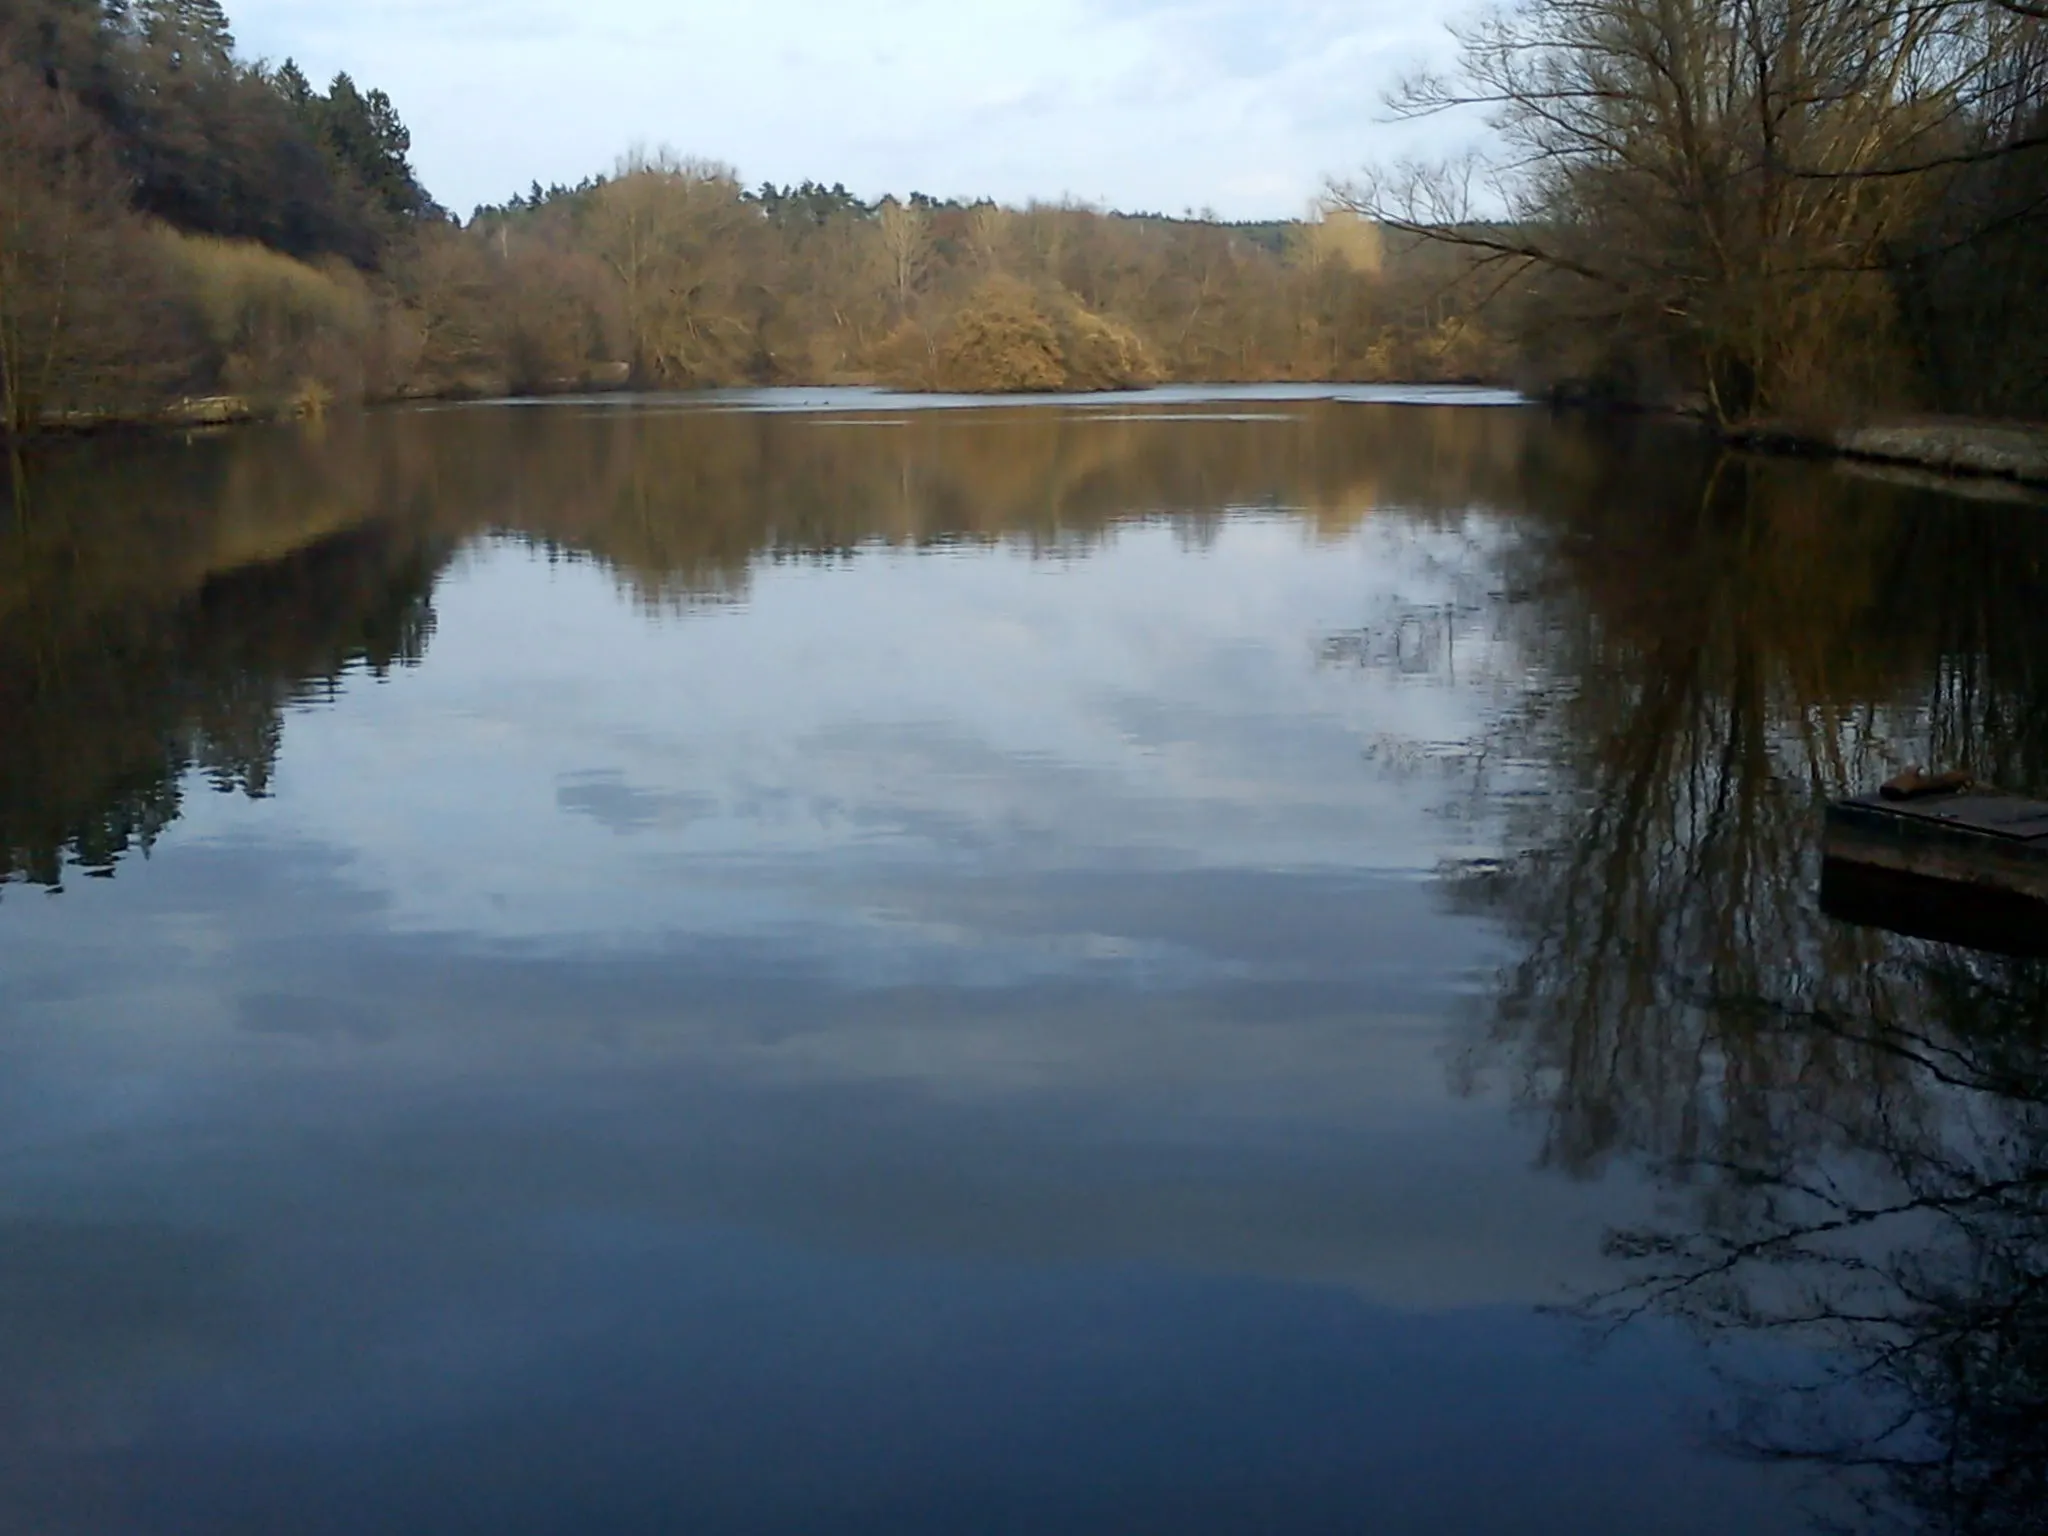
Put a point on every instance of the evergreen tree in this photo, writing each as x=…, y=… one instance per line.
x=369, y=143
x=291, y=83
x=187, y=34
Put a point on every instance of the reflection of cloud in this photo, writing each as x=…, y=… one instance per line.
x=693, y=1082
x=1009, y=879
x=983, y=989
x=696, y=1186
x=1145, y=707
x=606, y=798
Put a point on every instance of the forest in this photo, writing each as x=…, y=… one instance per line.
x=1746, y=208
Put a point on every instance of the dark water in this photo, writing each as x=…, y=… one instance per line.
x=1227, y=963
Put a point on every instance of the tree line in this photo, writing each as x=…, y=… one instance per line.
x=678, y=275
x=179, y=223
x=1817, y=208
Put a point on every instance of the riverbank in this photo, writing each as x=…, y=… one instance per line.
x=191, y=412
x=1989, y=450
x=205, y=412
x=1992, y=452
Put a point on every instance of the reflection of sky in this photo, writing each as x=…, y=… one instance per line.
x=954, y=1028
x=854, y=739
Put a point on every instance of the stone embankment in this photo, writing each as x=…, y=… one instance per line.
x=1992, y=450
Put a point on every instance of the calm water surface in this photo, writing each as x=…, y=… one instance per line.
x=1217, y=962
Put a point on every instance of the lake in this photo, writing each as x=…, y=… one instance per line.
x=1211, y=961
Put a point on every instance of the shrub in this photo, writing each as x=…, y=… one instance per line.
x=908, y=357
x=278, y=332
x=1001, y=341
x=1102, y=353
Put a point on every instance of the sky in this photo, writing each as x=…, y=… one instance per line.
x=1241, y=107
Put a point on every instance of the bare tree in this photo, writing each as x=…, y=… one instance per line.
x=907, y=246
x=675, y=235
x=988, y=236
x=77, y=278
x=1734, y=179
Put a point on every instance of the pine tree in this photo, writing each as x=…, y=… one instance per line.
x=291, y=83
x=189, y=34
x=365, y=137
x=392, y=143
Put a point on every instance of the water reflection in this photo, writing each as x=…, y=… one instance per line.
x=1850, y=1123
x=112, y=688
x=1904, y=1242
x=159, y=605
x=971, y=902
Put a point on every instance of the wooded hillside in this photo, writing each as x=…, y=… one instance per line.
x=1823, y=208
x=177, y=221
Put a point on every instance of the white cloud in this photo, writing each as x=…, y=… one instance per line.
x=1243, y=105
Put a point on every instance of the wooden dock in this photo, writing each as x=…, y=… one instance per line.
x=1970, y=868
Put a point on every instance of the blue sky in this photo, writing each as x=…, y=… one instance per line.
x=1243, y=106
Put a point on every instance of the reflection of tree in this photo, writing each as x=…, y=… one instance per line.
x=1853, y=1124
x=682, y=504
x=1719, y=655
x=1908, y=1266
x=161, y=603
x=102, y=714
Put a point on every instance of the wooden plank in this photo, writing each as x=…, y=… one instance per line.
x=2001, y=920
x=1991, y=815
x=1965, y=868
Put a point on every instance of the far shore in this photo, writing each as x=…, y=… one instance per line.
x=1940, y=448
x=207, y=412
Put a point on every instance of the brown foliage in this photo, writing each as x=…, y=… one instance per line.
x=275, y=332
x=1101, y=353
x=82, y=286
x=667, y=275
x=713, y=286
x=1726, y=194
x=1001, y=341
x=1007, y=338
x=676, y=238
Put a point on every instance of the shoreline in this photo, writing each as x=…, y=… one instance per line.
x=1949, y=449
x=1953, y=448
x=208, y=413
x=1956, y=450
